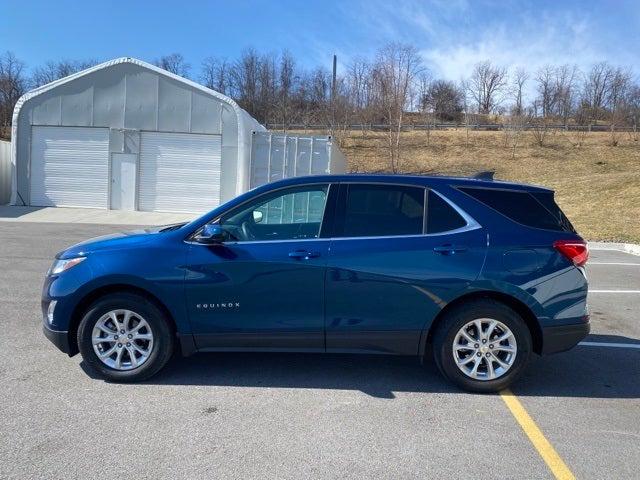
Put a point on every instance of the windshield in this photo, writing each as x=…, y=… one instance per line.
x=171, y=228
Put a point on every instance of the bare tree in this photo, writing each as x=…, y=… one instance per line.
x=520, y=78
x=244, y=75
x=215, y=74
x=620, y=85
x=267, y=88
x=54, y=70
x=342, y=111
x=545, y=85
x=397, y=66
x=596, y=88
x=319, y=93
x=426, y=108
x=565, y=85
x=361, y=91
x=276, y=90
x=286, y=85
x=486, y=86
x=578, y=135
x=634, y=112
x=174, y=63
x=311, y=100
x=618, y=101
x=513, y=130
x=301, y=101
x=13, y=85
x=470, y=118
x=444, y=99
x=556, y=90
x=539, y=128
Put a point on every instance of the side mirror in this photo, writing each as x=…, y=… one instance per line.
x=211, y=234
x=257, y=216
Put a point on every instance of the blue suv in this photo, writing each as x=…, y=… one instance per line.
x=474, y=272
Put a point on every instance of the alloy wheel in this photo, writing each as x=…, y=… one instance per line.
x=122, y=339
x=484, y=349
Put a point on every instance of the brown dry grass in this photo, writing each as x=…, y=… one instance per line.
x=596, y=184
x=5, y=133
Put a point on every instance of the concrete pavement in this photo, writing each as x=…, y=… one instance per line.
x=89, y=215
x=305, y=416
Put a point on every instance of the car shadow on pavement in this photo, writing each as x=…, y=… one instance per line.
x=375, y=375
x=593, y=372
x=590, y=372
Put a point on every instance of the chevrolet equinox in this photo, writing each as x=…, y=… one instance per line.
x=476, y=273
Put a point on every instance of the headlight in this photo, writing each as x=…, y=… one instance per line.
x=60, y=266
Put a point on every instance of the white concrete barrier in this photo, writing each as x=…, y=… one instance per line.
x=5, y=172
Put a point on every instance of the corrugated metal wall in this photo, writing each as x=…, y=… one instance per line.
x=5, y=172
x=127, y=97
x=275, y=156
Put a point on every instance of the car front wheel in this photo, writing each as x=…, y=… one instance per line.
x=482, y=346
x=125, y=338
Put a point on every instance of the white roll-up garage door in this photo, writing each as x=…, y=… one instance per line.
x=179, y=172
x=69, y=167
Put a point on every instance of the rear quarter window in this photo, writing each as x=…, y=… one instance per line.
x=441, y=217
x=533, y=209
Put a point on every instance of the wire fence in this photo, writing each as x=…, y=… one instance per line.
x=455, y=126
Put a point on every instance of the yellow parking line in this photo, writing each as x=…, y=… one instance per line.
x=544, y=448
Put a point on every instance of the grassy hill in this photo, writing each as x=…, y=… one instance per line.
x=596, y=184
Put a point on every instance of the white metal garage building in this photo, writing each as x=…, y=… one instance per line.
x=128, y=135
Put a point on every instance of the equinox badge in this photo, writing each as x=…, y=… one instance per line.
x=226, y=305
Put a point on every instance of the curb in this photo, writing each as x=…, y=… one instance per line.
x=631, y=248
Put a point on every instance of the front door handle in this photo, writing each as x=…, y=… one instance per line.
x=303, y=254
x=449, y=249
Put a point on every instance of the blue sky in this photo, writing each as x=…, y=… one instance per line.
x=451, y=35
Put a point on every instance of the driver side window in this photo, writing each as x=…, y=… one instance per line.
x=294, y=213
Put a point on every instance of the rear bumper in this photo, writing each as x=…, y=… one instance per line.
x=58, y=338
x=563, y=337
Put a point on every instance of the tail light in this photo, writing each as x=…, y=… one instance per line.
x=576, y=251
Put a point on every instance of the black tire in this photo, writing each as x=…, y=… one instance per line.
x=163, y=343
x=446, y=332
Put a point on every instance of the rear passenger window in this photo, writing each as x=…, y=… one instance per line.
x=533, y=210
x=442, y=217
x=382, y=210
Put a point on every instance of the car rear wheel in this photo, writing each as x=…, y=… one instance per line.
x=482, y=345
x=125, y=338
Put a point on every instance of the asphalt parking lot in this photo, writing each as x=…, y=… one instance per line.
x=311, y=416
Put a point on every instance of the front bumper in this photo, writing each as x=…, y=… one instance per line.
x=563, y=337
x=58, y=338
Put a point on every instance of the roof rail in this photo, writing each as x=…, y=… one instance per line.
x=484, y=175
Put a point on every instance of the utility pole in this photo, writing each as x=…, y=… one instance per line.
x=333, y=93
x=333, y=78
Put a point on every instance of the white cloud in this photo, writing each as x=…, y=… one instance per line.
x=506, y=48
x=453, y=36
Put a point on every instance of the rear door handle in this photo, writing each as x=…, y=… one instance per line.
x=303, y=254
x=449, y=249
